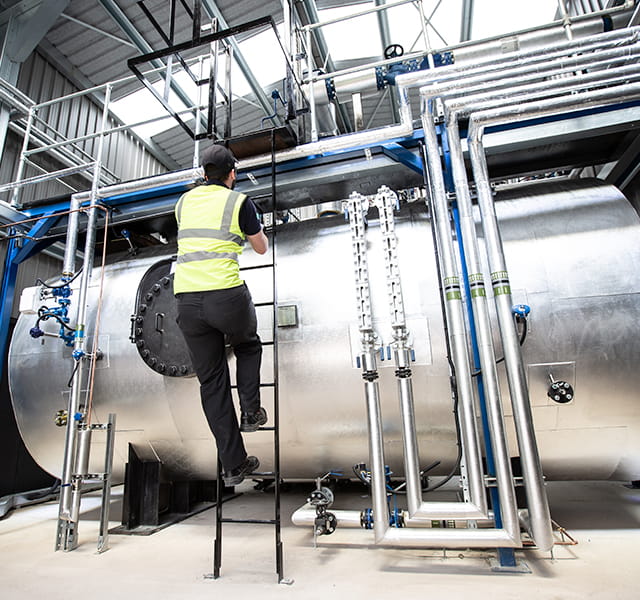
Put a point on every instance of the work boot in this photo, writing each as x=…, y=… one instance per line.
x=253, y=421
x=237, y=475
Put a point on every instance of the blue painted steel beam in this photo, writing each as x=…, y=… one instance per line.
x=18, y=250
x=400, y=154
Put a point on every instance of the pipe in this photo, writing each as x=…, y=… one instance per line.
x=532, y=471
x=487, y=356
x=464, y=202
x=306, y=515
x=454, y=314
x=409, y=80
x=477, y=506
x=385, y=535
x=509, y=536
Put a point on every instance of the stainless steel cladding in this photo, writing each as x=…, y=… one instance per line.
x=573, y=257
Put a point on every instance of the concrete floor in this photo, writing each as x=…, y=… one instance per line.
x=604, y=517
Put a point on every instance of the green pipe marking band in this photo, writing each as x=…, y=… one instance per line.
x=501, y=283
x=452, y=288
x=476, y=285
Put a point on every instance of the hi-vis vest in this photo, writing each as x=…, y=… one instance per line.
x=209, y=239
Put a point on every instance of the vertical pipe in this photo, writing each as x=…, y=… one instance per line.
x=532, y=470
x=566, y=20
x=70, y=248
x=311, y=93
x=70, y=492
x=454, y=314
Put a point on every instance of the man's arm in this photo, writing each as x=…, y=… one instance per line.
x=259, y=242
x=252, y=227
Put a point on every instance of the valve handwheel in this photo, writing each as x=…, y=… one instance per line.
x=393, y=51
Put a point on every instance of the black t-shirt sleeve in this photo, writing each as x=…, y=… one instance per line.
x=248, y=218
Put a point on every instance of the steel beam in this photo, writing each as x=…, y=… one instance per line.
x=466, y=24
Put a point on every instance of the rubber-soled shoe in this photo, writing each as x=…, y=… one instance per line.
x=253, y=421
x=237, y=475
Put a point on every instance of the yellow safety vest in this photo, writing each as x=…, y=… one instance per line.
x=209, y=239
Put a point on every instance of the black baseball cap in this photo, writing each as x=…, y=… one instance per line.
x=218, y=156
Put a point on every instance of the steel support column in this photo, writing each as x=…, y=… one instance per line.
x=466, y=24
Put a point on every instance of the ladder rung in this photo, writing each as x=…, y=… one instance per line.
x=253, y=521
x=235, y=387
x=265, y=266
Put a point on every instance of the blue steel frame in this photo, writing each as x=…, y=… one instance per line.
x=19, y=250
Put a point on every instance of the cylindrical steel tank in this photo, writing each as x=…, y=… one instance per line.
x=574, y=258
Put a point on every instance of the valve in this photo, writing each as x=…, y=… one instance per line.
x=325, y=522
x=520, y=310
x=321, y=496
x=36, y=332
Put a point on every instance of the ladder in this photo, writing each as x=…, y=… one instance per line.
x=275, y=474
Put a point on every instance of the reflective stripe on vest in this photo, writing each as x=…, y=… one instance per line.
x=209, y=239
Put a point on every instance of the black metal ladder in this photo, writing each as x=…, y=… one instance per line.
x=275, y=428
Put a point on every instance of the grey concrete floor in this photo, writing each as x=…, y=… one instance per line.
x=604, y=517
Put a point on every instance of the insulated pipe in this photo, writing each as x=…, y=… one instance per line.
x=69, y=261
x=532, y=471
x=457, y=335
x=464, y=203
x=418, y=78
x=486, y=347
x=184, y=176
x=491, y=386
x=477, y=507
x=385, y=535
x=306, y=515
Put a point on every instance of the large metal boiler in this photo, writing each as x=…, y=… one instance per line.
x=573, y=257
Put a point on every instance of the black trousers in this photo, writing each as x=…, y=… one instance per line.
x=208, y=320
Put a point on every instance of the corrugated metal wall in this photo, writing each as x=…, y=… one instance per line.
x=125, y=155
